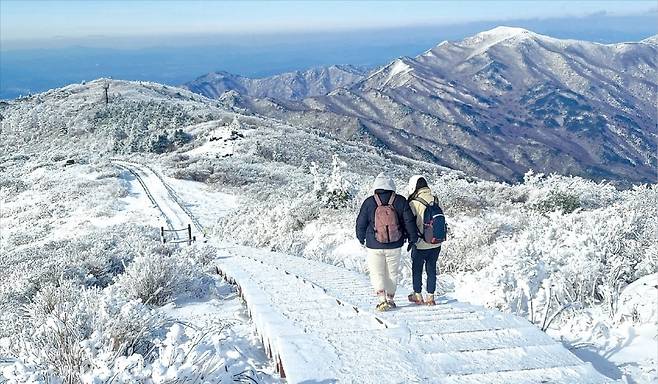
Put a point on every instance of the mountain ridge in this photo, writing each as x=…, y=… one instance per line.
x=499, y=103
x=295, y=85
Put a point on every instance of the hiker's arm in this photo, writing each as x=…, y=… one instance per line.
x=362, y=224
x=417, y=210
x=410, y=224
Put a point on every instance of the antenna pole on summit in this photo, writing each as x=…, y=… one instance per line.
x=106, y=86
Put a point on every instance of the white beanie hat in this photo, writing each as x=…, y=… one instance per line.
x=383, y=181
x=411, y=187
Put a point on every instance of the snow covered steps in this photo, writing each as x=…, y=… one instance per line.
x=310, y=335
x=318, y=322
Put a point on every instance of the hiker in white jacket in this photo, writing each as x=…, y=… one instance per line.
x=423, y=254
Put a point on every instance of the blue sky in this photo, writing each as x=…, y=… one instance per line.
x=74, y=19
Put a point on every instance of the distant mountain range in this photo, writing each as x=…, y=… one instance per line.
x=295, y=85
x=494, y=105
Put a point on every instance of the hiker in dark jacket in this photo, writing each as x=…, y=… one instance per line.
x=385, y=221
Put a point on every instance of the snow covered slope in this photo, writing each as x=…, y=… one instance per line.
x=138, y=117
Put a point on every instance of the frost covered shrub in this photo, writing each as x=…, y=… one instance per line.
x=191, y=168
x=66, y=325
x=11, y=186
x=70, y=332
x=184, y=355
x=549, y=193
x=333, y=191
x=90, y=261
x=458, y=195
x=237, y=174
x=159, y=278
x=586, y=257
x=470, y=239
x=141, y=126
x=279, y=227
x=558, y=201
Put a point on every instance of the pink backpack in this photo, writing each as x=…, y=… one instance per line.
x=387, y=228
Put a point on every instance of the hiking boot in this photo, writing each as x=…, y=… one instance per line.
x=430, y=299
x=383, y=306
x=415, y=298
x=389, y=299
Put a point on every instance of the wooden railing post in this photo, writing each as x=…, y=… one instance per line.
x=189, y=234
x=162, y=238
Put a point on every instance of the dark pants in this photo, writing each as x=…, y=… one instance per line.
x=428, y=258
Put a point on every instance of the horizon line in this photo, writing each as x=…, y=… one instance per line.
x=114, y=38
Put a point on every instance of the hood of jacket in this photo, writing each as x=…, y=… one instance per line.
x=411, y=187
x=383, y=182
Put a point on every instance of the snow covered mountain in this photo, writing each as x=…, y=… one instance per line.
x=137, y=117
x=145, y=118
x=287, y=86
x=501, y=102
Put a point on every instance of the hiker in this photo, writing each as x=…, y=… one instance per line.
x=430, y=224
x=385, y=221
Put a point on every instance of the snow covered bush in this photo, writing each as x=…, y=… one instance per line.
x=558, y=201
x=72, y=324
x=333, y=191
x=586, y=255
x=638, y=302
x=63, y=323
x=161, y=277
x=92, y=261
x=278, y=227
x=183, y=355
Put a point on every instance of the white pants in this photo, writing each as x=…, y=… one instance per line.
x=384, y=267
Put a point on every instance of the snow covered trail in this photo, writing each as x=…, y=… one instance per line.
x=174, y=214
x=317, y=323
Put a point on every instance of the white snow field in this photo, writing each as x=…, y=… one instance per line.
x=317, y=322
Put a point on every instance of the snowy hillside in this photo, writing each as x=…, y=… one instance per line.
x=89, y=294
x=295, y=85
x=138, y=117
x=502, y=102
